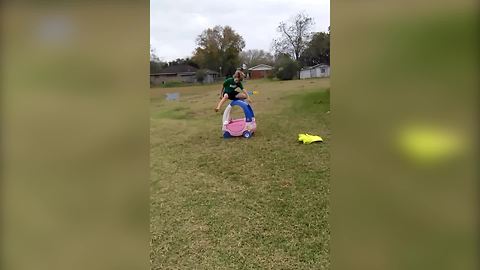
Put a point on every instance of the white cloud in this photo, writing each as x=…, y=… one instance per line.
x=175, y=24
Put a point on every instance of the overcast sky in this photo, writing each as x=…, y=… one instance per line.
x=175, y=24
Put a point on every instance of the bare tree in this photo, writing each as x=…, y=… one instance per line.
x=155, y=63
x=294, y=36
x=255, y=57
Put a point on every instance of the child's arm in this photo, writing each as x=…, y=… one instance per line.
x=222, y=92
x=246, y=94
x=240, y=85
x=220, y=103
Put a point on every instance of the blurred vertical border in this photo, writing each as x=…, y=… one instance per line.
x=74, y=134
x=405, y=157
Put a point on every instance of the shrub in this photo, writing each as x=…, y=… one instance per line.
x=200, y=75
x=286, y=68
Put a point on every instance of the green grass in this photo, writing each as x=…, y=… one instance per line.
x=260, y=203
x=174, y=113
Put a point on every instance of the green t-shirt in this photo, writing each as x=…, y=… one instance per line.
x=229, y=85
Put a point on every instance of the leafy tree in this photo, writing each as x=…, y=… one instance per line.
x=219, y=47
x=286, y=68
x=294, y=36
x=318, y=50
x=183, y=61
x=255, y=57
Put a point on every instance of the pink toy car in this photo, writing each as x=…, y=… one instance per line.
x=239, y=127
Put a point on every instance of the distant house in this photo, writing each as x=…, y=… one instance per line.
x=317, y=71
x=260, y=71
x=181, y=73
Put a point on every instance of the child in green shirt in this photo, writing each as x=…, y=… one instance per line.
x=229, y=92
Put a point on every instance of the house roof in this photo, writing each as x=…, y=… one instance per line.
x=178, y=69
x=315, y=66
x=182, y=70
x=261, y=67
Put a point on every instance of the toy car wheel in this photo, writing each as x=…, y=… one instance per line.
x=226, y=135
x=247, y=134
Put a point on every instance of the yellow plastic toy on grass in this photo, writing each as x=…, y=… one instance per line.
x=308, y=139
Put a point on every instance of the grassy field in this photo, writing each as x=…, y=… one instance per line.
x=260, y=203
